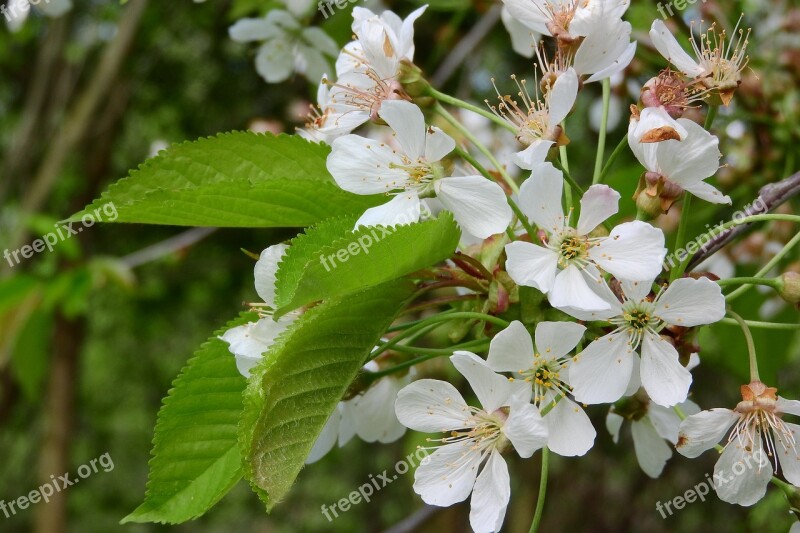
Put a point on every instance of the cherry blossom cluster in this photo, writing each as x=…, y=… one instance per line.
x=625, y=336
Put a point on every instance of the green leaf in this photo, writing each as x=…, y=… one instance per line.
x=296, y=387
x=238, y=179
x=365, y=258
x=196, y=458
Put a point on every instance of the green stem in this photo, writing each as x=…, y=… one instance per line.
x=601, y=142
x=751, y=348
x=775, y=284
x=618, y=150
x=767, y=268
x=568, y=177
x=712, y=114
x=537, y=517
x=431, y=354
x=436, y=352
x=562, y=150
x=680, y=240
x=447, y=99
x=762, y=325
x=479, y=145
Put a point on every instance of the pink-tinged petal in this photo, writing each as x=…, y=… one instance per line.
x=652, y=451
x=408, y=124
x=492, y=389
x=671, y=50
x=364, y=166
x=432, y=406
x=540, y=198
x=534, y=155
x=791, y=407
x=691, y=302
x=490, y=496
x=740, y=477
x=598, y=204
x=530, y=265
x=554, y=340
x=600, y=374
x=664, y=378
x=691, y=160
x=479, y=206
x=787, y=453
x=403, y=209
x=704, y=430
x=326, y=439
x=571, y=289
x=511, y=350
x=571, y=431
x=438, y=144
x=562, y=96
x=633, y=252
x=709, y=193
x=447, y=475
x=265, y=271
x=525, y=428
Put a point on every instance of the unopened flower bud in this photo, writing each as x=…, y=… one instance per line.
x=412, y=80
x=789, y=288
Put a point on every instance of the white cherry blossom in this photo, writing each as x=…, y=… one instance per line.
x=473, y=437
x=412, y=171
x=544, y=368
x=603, y=371
x=759, y=437
x=568, y=265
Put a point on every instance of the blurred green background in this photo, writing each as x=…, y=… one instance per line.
x=91, y=336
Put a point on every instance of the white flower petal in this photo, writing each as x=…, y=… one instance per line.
x=601, y=288
x=523, y=39
x=787, y=455
x=525, y=428
x=691, y=160
x=490, y=496
x=326, y=439
x=275, y=60
x=656, y=119
x=571, y=433
x=253, y=29
x=492, y=390
x=532, y=156
x=691, y=302
x=479, y=206
x=602, y=371
x=540, y=198
x=562, y=96
x=652, y=451
x=408, y=123
x=554, y=340
x=666, y=421
x=746, y=480
x=265, y=271
x=572, y=289
x=637, y=290
x=704, y=430
x=671, y=50
x=709, y=193
x=531, y=265
x=447, y=475
x=634, y=252
x=615, y=67
x=511, y=350
x=664, y=378
x=598, y=204
x=531, y=13
x=403, y=209
x=791, y=407
x=613, y=425
x=374, y=411
x=431, y=406
x=438, y=144
x=364, y=166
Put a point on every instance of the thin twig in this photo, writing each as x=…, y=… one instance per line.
x=166, y=247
